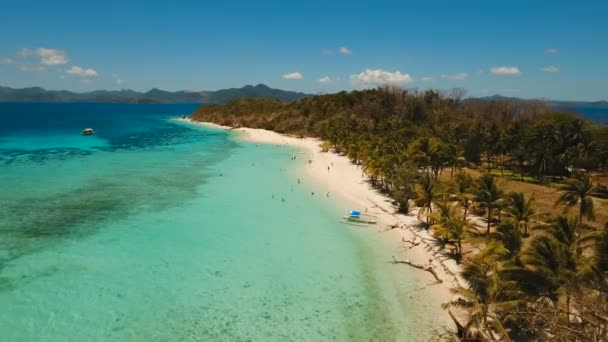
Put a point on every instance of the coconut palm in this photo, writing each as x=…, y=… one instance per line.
x=578, y=191
x=449, y=226
x=557, y=256
x=487, y=299
x=429, y=153
x=488, y=196
x=426, y=195
x=372, y=169
x=443, y=214
x=600, y=262
x=520, y=209
x=463, y=186
x=505, y=242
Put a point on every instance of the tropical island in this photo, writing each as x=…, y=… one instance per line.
x=513, y=192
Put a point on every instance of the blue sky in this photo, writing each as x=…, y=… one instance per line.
x=548, y=49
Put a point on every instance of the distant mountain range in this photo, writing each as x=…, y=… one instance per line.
x=552, y=103
x=37, y=94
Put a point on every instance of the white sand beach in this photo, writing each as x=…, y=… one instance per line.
x=346, y=182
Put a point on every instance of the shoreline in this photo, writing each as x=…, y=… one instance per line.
x=346, y=181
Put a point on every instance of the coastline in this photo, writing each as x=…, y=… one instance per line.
x=345, y=181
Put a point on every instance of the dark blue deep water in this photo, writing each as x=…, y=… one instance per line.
x=36, y=131
x=599, y=115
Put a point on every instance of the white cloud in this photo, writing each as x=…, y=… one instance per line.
x=327, y=52
x=325, y=79
x=511, y=90
x=427, y=79
x=552, y=51
x=345, y=51
x=47, y=56
x=550, y=68
x=76, y=70
x=456, y=77
x=379, y=77
x=120, y=81
x=505, y=71
x=293, y=76
x=7, y=61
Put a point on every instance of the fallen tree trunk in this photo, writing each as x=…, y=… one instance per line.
x=391, y=227
x=420, y=267
x=413, y=242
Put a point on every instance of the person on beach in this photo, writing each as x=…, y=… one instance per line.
x=327, y=195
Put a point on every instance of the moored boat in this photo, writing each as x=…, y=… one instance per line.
x=357, y=217
x=88, y=131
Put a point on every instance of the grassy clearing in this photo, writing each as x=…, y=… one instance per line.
x=545, y=195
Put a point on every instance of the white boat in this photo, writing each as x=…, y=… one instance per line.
x=358, y=218
x=88, y=131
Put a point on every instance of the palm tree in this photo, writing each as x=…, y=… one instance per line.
x=488, y=195
x=372, y=169
x=403, y=185
x=444, y=213
x=426, y=196
x=428, y=152
x=505, y=242
x=558, y=255
x=520, y=209
x=464, y=185
x=449, y=226
x=578, y=191
x=453, y=229
x=600, y=263
x=487, y=299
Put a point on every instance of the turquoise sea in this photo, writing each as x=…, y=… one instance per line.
x=158, y=230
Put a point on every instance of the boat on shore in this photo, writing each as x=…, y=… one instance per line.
x=88, y=131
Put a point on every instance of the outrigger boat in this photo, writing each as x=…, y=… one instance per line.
x=358, y=219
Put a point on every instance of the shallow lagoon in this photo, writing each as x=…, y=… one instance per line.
x=157, y=230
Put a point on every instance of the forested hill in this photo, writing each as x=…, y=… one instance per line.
x=37, y=94
x=393, y=125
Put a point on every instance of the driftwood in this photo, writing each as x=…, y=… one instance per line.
x=420, y=267
x=391, y=227
x=413, y=242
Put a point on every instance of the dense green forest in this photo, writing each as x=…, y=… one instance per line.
x=388, y=126
x=529, y=275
